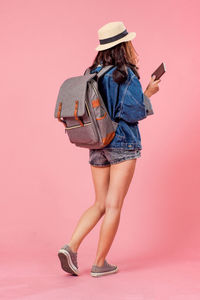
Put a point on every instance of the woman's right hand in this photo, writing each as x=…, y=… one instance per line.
x=152, y=87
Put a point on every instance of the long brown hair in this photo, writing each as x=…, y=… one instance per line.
x=122, y=55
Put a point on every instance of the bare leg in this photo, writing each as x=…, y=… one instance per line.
x=120, y=178
x=101, y=177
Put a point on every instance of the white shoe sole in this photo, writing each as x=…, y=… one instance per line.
x=96, y=274
x=66, y=262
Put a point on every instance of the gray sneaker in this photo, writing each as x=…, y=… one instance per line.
x=106, y=269
x=68, y=260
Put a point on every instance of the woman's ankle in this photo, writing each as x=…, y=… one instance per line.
x=73, y=247
x=99, y=262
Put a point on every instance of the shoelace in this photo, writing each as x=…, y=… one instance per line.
x=107, y=264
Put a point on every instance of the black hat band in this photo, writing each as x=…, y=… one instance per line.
x=114, y=38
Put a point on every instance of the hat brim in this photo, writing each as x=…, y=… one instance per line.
x=128, y=37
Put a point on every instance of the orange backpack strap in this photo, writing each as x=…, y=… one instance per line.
x=58, y=114
x=75, y=113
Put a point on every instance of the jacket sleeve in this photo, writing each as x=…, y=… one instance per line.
x=135, y=106
x=148, y=105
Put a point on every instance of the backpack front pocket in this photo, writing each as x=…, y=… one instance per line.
x=82, y=134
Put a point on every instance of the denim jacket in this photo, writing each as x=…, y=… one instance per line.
x=131, y=107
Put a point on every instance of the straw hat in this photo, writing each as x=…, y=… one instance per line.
x=112, y=34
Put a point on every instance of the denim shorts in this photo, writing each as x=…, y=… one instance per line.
x=108, y=156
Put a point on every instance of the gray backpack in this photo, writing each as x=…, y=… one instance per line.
x=81, y=109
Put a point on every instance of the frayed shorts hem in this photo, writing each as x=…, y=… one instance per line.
x=106, y=157
x=112, y=163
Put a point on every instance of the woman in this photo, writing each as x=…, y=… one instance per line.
x=113, y=166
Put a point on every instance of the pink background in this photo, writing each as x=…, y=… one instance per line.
x=157, y=246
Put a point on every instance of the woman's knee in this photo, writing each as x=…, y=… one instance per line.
x=113, y=204
x=100, y=206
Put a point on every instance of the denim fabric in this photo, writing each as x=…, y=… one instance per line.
x=107, y=156
x=131, y=107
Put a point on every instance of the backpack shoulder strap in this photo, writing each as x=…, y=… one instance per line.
x=100, y=73
x=104, y=70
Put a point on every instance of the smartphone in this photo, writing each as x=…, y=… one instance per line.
x=159, y=71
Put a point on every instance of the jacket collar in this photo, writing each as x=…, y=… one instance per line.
x=97, y=69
